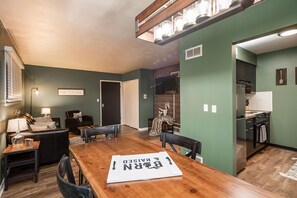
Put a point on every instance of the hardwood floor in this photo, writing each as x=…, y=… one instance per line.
x=262, y=171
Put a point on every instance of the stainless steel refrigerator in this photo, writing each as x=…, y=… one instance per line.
x=240, y=127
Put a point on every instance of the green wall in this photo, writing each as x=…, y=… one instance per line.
x=145, y=82
x=246, y=56
x=48, y=80
x=6, y=110
x=211, y=79
x=283, y=118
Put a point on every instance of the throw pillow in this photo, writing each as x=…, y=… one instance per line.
x=78, y=116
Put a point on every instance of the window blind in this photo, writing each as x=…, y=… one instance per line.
x=13, y=76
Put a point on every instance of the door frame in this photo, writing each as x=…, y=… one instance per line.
x=121, y=99
x=138, y=104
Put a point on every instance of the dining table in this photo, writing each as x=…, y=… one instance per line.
x=197, y=179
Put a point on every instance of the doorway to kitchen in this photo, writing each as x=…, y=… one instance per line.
x=266, y=132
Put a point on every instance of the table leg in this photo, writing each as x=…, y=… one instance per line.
x=5, y=173
x=80, y=177
x=36, y=166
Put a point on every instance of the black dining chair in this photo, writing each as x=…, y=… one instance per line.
x=90, y=134
x=172, y=139
x=66, y=181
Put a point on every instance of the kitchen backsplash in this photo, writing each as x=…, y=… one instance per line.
x=260, y=101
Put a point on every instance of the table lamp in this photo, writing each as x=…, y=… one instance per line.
x=17, y=125
x=46, y=111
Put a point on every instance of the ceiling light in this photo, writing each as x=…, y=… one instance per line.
x=166, y=20
x=287, y=32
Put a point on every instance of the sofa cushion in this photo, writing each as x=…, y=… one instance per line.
x=41, y=126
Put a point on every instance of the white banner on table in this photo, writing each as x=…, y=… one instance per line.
x=141, y=167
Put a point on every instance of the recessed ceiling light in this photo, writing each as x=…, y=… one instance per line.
x=288, y=32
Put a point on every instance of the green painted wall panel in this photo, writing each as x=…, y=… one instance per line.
x=48, y=80
x=283, y=118
x=246, y=56
x=211, y=79
x=146, y=105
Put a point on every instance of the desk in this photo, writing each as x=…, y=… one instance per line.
x=19, y=157
x=198, y=180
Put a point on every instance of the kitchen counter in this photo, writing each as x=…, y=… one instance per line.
x=252, y=114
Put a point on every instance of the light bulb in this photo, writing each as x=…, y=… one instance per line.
x=189, y=15
x=158, y=33
x=288, y=32
x=178, y=24
x=204, y=7
x=166, y=29
x=221, y=5
x=204, y=10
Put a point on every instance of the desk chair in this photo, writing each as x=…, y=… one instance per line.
x=173, y=139
x=67, y=187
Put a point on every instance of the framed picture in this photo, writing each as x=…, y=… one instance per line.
x=70, y=92
x=281, y=76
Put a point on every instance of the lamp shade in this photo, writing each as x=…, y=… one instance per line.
x=17, y=125
x=45, y=111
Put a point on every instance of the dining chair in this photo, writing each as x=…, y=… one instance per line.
x=90, y=134
x=67, y=185
x=173, y=139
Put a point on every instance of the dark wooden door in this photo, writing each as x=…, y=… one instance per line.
x=111, y=103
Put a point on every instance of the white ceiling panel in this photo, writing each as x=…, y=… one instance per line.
x=93, y=35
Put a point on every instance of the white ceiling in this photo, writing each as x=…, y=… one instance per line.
x=93, y=35
x=269, y=43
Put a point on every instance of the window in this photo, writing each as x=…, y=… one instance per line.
x=13, y=75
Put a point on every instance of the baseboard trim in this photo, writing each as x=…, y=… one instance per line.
x=143, y=129
x=2, y=187
x=283, y=147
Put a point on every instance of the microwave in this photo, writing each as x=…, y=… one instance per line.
x=248, y=86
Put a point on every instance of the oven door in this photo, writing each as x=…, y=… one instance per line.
x=260, y=135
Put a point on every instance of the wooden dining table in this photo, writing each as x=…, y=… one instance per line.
x=197, y=180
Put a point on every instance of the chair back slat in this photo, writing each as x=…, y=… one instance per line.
x=89, y=133
x=67, y=187
x=172, y=139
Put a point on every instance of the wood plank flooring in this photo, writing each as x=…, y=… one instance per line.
x=262, y=171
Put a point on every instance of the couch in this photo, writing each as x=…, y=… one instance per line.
x=72, y=122
x=53, y=143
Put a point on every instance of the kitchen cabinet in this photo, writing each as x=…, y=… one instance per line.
x=246, y=73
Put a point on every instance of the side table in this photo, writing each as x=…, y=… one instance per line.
x=17, y=161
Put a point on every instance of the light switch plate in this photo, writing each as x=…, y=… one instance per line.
x=145, y=96
x=205, y=107
x=213, y=108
